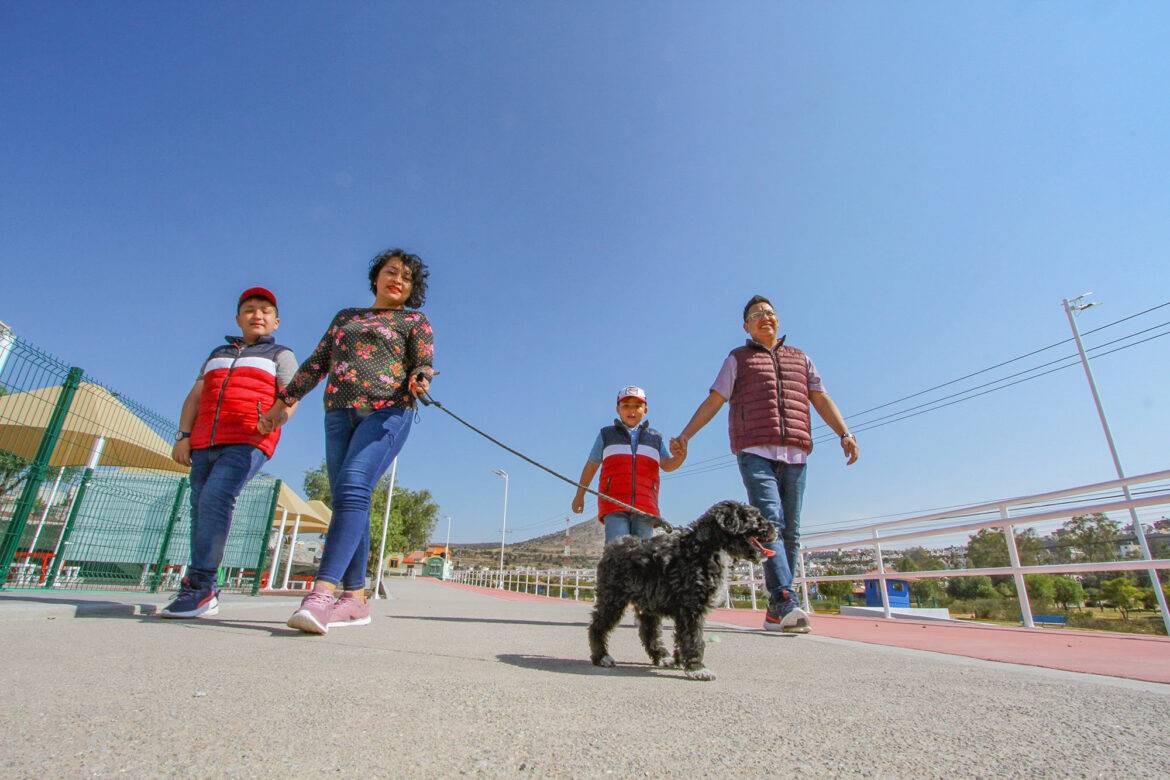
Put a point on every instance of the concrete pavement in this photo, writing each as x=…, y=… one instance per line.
x=449, y=682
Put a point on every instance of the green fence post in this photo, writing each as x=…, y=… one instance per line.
x=63, y=542
x=36, y=473
x=260, y=562
x=166, y=542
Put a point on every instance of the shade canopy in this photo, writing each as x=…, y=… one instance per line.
x=95, y=412
x=312, y=521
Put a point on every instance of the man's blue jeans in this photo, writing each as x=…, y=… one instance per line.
x=619, y=524
x=359, y=447
x=218, y=474
x=776, y=489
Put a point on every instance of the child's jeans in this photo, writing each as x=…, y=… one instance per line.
x=776, y=489
x=359, y=447
x=218, y=474
x=619, y=524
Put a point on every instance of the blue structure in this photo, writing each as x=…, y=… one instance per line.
x=898, y=590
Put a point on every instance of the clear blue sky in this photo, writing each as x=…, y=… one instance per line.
x=597, y=191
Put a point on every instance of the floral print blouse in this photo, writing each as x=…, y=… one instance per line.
x=368, y=356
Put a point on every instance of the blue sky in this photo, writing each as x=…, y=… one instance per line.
x=597, y=190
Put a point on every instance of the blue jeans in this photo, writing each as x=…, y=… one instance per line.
x=359, y=447
x=218, y=474
x=777, y=490
x=619, y=524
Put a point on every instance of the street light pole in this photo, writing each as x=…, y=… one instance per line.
x=504, y=525
x=1071, y=307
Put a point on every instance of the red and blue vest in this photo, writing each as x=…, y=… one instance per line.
x=236, y=377
x=769, y=401
x=627, y=475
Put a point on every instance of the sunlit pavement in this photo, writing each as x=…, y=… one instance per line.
x=450, y=680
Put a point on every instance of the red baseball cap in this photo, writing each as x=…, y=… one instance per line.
x=257, y=292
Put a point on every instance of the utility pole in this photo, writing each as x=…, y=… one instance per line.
x=565, y=561
x=504, y=524
x=1070, y=309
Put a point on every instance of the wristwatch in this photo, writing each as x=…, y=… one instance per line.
x=182, y=435
x=845, y=436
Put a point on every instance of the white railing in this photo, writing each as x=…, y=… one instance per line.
x=559, y=582
x=944, y=523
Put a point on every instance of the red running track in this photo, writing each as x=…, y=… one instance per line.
x=1133, y=656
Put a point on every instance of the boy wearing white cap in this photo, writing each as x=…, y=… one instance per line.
x=630, y=455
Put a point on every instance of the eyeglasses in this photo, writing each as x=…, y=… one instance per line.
x=756, y=315
x=394, y=272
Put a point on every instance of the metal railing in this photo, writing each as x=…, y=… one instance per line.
x=944, y=523
x=89, y=496
x=744, y=582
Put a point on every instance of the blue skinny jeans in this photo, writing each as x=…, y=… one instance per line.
x=359, y=447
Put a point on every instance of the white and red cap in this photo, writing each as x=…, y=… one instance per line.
x=632, y=392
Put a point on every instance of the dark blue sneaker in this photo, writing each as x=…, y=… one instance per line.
x=784, y=614
x=193, y=600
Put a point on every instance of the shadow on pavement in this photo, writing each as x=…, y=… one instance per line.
x=453, y=619
x=544, y=663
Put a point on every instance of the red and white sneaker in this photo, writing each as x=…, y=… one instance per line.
x=349, y=610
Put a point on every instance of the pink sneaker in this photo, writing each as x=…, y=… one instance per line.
x=313, y=615
x=349, y=611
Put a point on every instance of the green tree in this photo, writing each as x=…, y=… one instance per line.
x=316, y=485
x=1093, y=536
x=987, y=548
x=1067, y=592
x=413, y=514
x=921, y=559
x=835, y=589
x=1121, y=593
x=13, y=470
x=1041, y=587
x=971, y=588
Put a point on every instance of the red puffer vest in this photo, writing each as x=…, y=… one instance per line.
x=236, y=377
x=769, y=401
x=626, y=475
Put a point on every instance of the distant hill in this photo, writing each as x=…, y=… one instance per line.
x=586, y=540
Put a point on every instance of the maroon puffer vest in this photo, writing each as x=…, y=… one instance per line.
x=769, y=401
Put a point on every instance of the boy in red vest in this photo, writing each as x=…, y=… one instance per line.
x=771, y=388
x=630, y=454
x=217, y=438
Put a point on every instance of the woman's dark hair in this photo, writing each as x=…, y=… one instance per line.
x=418, y=274
x=755, y=299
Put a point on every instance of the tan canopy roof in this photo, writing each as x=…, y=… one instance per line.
x=322, y=511
x=312, y=522
x=95, y=412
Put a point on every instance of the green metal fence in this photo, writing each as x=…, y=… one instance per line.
x=89, y=497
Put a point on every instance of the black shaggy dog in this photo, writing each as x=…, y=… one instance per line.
x=675, y=575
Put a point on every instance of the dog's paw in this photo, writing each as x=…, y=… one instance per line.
x=702, y=673
x=605, y=661
x=665, y=662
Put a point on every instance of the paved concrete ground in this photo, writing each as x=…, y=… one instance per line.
x=448, y=682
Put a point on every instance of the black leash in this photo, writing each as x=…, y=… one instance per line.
x=428, y=400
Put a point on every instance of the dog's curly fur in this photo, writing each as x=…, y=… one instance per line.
x=676, y=575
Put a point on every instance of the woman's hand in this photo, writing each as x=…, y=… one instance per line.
x=419, y=384
x=275, y=417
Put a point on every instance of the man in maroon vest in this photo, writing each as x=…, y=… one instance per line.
x=771, y=387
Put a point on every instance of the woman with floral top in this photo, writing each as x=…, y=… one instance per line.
x=375, y=362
